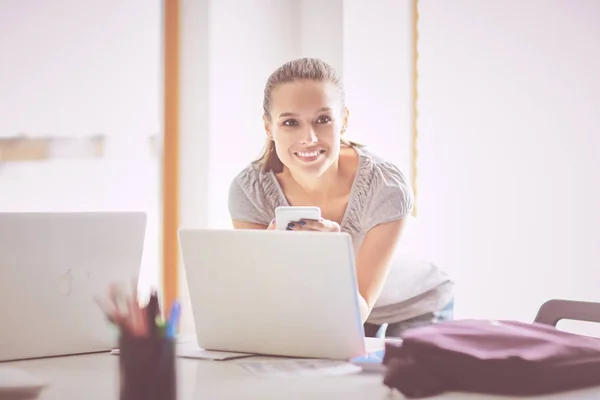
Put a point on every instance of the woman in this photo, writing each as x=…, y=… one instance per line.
x=308, y=162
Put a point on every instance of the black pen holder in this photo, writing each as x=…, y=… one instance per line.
x=147, y=368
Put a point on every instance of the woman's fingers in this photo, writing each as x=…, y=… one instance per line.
x=312, y=225
x=302, y=226
x=322, y=225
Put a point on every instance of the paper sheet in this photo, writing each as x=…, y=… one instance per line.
x=198, y=353
x=287, y=368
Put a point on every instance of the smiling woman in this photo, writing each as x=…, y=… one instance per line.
x=290, y=96
x=308, y=162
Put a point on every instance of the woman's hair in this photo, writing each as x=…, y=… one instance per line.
x=300, y=69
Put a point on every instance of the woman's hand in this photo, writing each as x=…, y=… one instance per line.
x=322, y=225
x=272, y=226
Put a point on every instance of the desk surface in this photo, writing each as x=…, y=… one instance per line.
x=96, y=377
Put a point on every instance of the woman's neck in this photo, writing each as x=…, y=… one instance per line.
x=316, y=186
x=335, y=183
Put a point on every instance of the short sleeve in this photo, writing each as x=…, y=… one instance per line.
x=245, y=200
x=391, y=196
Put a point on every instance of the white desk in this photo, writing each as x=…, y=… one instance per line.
x=95, y=376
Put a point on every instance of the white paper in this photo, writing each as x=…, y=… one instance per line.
x=287, y=368
x=198, y=353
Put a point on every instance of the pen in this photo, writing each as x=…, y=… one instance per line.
x=134, y=313
x=152, y=312
x=124, y=312
x=173, y=319
x=161, y=327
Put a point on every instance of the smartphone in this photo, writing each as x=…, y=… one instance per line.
x=286, y=214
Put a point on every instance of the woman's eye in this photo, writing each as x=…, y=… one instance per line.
x=323, y=119
x=290, y=122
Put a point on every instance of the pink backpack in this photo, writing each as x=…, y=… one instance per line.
x=493, y=357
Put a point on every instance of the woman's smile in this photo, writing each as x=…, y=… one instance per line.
x=309, y=156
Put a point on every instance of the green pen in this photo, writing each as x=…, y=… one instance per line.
x=161, y=326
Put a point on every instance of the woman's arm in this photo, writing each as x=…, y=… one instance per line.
x=373, y=262
x=363, y=307
x=245, y=205
x=252, y=225
x=247, y=225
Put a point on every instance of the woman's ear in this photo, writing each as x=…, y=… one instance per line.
x=268, y=127
x=345, y=120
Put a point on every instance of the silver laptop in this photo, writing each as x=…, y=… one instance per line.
x=273, y=292
x=51, y=267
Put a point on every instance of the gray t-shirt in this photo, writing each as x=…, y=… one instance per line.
x=380, y=193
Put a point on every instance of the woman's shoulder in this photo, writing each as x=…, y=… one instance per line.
x=254, y=183
x=379, y=173
x=253, y=195
x=384, y=193
x=250, y=175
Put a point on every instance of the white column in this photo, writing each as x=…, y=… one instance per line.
x=194, y=134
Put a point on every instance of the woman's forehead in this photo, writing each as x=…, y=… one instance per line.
x=304, y=96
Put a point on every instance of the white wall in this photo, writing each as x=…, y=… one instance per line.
x=79, y=67
x=321, y=32
x=509, y=95
x=82, y=68
x=378, y=76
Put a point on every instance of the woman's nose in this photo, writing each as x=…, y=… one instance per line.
x=309, y=136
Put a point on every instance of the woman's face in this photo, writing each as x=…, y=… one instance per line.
x=306, y=123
